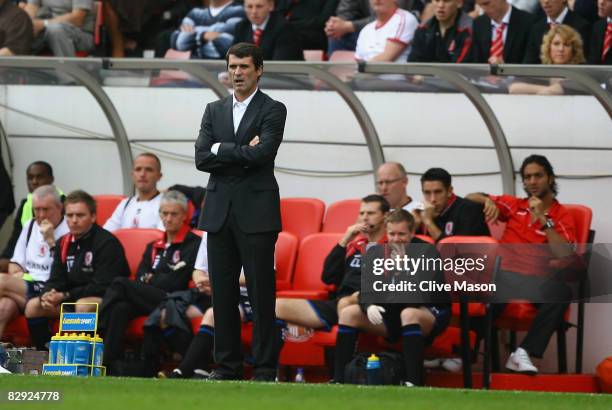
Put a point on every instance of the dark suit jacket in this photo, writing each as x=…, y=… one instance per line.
x=278, y=41
x=597, y=40
x=539, y=30
x=241, y=176
x=516, y=37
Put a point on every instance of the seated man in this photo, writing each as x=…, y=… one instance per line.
x=308, y=19
x=388, y=38
x=416, y=324
x=166, y=267
x=342, y=268
x=269, y=31
x=86, y=261
x=38, y=173
x=65, y=26
x=538, y=219
x=142, y=209
x=447, y=214
x=31, y=262
x=15, y=30
x=392, y=184
x=208, y=32
x=444, y=38
x=600, y=49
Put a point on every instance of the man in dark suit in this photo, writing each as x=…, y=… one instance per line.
x=510, y=23
x=269, y=31
x=308, y=18
x=237, y=144
x=556, y=12
x=601, y=38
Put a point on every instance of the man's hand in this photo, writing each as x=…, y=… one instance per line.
x=51, y=299
x=202, y=281
x=429, y=213
x=210, y=35
x=146, y=278
x=375, y=314
x=490, y=210
x=38, y=26
x=187, y=28
x=254, y=141
x=537, y=210
x=337, y=27
x=47, y=229
x=352, y=231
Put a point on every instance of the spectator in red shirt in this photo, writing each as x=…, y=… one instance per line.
x=526, y=271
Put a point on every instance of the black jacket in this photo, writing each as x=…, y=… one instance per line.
x=516, y=38
x=241, y=176
x=539, y=30
x=429, y=46
x=597, y=41
x=88, y=265
x=462, y=217
x=171, y=267
x=278, y=41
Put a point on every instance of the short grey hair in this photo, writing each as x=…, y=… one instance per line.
x=174, y=197
x=45, y=191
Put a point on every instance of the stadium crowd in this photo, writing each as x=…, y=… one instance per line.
x=60, y=251
x=441, y=31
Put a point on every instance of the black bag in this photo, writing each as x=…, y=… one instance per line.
x=391, y=367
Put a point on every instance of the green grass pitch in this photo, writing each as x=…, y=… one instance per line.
x=151, y=394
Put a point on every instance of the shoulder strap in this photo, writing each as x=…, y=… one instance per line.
x=29, y=232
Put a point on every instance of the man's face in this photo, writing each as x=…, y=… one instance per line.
x=552, y=8
x=391, y=184
x=243, y=74
x=399, y=232
x=382, y=6
x=492, y=7
x=536, y=181
x=604, y=8
x=172, y=216
x=36, y=175
x=257, y=11
x=79, y=218
x=145, y=174
x=371, y=215
x=436, y=194
x=47, y=208
x=445, y=10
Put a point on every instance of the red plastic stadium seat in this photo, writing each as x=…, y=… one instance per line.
x=171, y=76
x=134, y=242
x=340, y=215
x=302, y=216
x=307, y=276
x=426, y=238
x=286, y=254
x=314, y=55
x=106, y=205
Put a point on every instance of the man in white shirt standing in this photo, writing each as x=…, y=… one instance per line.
x=30, y=265
x=142, y=209
x=388, y=38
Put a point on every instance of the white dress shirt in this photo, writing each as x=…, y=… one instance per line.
x=559, y=19
x=238, y=110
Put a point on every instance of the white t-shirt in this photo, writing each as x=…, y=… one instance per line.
x=35, y=257
x=136, y=214
x=201, y=262
x=373, y=38
x=413, y=205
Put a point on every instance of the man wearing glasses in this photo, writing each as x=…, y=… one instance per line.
x=391, y=183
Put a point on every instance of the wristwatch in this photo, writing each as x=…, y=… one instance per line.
x=549, y=224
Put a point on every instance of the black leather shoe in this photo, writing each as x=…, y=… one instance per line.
x=264, y=377
x=216, y=376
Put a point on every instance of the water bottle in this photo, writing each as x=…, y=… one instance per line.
x=53, y=349
x=98, y=354
x=299, y=376
x=373, y=371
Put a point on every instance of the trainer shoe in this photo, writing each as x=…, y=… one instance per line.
x=408, y=384
x=453, y=365
x=520, y=362
x=4, y=371
x=432, y=364
x=200, y=374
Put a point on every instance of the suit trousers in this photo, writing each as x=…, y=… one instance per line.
x=229, y=249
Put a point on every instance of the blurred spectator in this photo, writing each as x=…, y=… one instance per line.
x=142, y=209
x=269, y=31
x=601, y=38
x=446, y=37
x=38, y=173
x=561, y=45
x=501, y=33
x=64, y=26
x=134, y=25
x=388, y=38
x=7, y=198
x=31, y=262
x=84, y=264
x=587, y=9
x=308, y=18
x=208, y=32
x=15, y=32
x=351, y=16
x=557, y=13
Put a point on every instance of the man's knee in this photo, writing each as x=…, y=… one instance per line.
x=8, y=309
x=411, y=316
x=56, y=30
x=350, y=316
x=87, y=304
x=33, y=308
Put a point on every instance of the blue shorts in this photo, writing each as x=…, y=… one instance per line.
x=393, y=322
